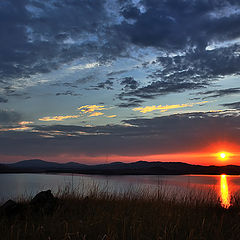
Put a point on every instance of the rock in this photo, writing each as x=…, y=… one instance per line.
x=10, y=208
x=45, y=202
x=43, y=197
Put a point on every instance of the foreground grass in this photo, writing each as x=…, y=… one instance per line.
x=110, y=216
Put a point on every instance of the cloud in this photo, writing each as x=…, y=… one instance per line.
x=234, y=105
x=38, y=37
x=9, y=117
x=129, y=102
x=166, y=108
x=220, y=92
x=91, y=108
x=25, y=122
x=189, y=71
x=177, y=24
x=176, y=133
x=71, y=93
x=129, y=83
x=111, y=116
x=192, y=37
x=57, y=118
x=85, y=66
x=16, y=126
x=95, y=114
x=113, y=73
x=108, y=84
x=3, y=100
x=86, y=79
x=22, y=128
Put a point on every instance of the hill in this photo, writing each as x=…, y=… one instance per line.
x=117, y=168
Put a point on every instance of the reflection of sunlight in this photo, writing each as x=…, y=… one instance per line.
x=225, y=198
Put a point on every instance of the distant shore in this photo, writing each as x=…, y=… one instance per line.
x=110, y=173
x=118, y=168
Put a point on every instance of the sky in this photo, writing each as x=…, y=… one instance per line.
x=120, y=80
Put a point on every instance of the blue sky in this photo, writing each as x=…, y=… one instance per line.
x=82, y=78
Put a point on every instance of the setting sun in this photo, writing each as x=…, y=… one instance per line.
x=223, y=155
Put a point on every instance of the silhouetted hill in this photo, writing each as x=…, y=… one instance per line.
x=4, y=168
x=118, y=168
x=41, y=165
x=35, y=163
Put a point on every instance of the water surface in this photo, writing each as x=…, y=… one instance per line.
x=213, y=186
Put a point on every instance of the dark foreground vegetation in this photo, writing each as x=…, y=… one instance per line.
x=108, y=216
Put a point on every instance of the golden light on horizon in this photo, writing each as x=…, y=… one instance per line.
x=225, y=198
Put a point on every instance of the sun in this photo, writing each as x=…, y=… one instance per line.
x=223, y=155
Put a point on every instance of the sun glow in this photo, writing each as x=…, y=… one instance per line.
x=223, y=155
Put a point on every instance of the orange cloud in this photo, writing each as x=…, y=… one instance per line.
x=23, y=128
x=166, y=107
x=91, y=108
x=57, y=118
x=111, y=116
x=95, y=114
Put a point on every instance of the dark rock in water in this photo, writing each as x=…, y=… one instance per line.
x=45, y=202
x=10, y=208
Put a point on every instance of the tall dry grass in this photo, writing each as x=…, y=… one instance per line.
x=128, y=215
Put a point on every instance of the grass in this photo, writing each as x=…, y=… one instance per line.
x=126, y=216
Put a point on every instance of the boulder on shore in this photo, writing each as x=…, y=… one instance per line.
x=10, y=208
x=44, y=201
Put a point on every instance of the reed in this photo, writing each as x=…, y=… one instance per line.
x=126, y=216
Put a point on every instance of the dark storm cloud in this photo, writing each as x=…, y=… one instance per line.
x=39, y=36
x=187, y=27
x=167, y=134
x=177, y=24
x=220, y=92
x=234, y=105
x=9, y=117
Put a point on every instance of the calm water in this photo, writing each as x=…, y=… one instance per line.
x=26, y=185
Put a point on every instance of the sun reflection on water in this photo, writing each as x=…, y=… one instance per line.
x=225, y=197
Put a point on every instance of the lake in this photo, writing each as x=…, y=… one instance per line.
x=220, y=187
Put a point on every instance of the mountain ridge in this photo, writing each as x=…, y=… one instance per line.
x=116, y=168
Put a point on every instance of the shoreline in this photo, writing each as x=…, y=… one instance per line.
x=118, y=174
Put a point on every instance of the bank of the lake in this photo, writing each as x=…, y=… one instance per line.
x=101, y=215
